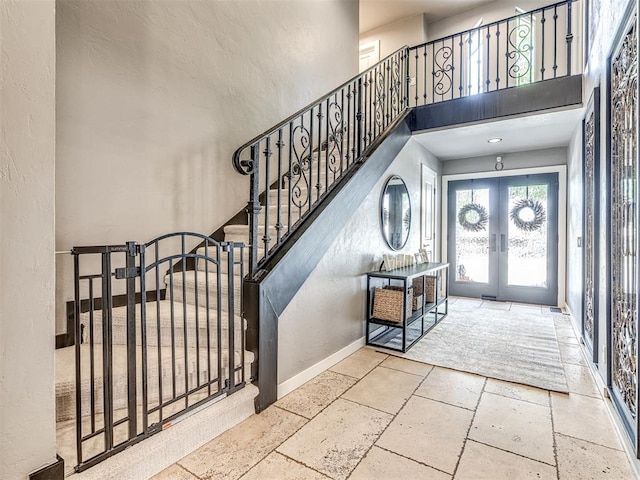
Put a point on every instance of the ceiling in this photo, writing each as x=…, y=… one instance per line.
x=533, y=132
x=375, y=13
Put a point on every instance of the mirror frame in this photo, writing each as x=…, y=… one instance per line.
x=382, y=231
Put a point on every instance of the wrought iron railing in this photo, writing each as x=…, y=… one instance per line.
x=160, y=333
x=526, y=48
x=296, y=163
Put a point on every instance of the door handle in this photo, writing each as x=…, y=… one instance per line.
x=503, y=242
x=492, y=243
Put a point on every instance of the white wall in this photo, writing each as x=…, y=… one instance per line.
x=491, y=12
x=393, y=36
x=328, y=312
x=154, y=97
x=511, y=161
x=27, y=275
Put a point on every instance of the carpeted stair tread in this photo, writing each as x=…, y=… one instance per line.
x=188, y=280
x=65, y=373
x=119, y=323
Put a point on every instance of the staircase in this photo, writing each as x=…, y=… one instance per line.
x=306, y=175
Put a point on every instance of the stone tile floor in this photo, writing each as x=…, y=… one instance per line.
x=375, y=416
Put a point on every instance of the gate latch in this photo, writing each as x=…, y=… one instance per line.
x=127, y=272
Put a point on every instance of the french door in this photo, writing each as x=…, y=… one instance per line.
x=503, y=238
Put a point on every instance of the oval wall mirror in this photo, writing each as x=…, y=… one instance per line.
x=395, y=213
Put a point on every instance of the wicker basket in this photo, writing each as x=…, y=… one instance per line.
x=418, y=289
x=388, y=303
x=431, y=292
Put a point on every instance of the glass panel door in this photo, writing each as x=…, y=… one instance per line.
x=529, y=239
x=502, y=241
x=472, y=240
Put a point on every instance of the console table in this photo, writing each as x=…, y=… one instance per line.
x=417, y=317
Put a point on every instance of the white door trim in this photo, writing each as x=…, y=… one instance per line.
x=561, y=170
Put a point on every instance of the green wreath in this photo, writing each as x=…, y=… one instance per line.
x=536, y=214
x=473, y=217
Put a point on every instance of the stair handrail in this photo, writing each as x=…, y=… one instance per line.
x=241, y=165
x=294, y=164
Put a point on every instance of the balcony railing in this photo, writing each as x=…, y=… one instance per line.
x=526, y=48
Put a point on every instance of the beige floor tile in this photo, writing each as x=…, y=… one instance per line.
x=580, y=380
x=382, y=465
x=429, y=432
x=452, y=300
x=279, y=467
x=482, y=462
x=409, y=366
x=518, y=391
x=585, y=418
x=450, y=386
x=571, y=354
x=566, y=335
x=562, y=321
x=496, y=305
x=234, y=452
x=315, y=395
x=582, y=460
x=174, y=472
x=335, y=440
x=520, y=427
x=359, y=363
x=384, y=389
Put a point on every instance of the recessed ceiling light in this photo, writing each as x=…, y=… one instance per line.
x=494, y=140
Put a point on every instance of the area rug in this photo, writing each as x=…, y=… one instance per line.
x=512, y=346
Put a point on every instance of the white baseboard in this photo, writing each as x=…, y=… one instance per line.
x=303, y=377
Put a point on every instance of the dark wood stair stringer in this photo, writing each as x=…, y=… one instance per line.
x=268, y=293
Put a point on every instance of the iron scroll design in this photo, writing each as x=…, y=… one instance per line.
x=624, y=219
x=519, y=54
x=301, y=171
x=294, y=165
x=443, y=70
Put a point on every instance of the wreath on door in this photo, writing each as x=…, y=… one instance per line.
x=528, y=214
x=473, y=217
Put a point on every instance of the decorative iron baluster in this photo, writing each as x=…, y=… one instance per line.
x=488, y=57
x=301, y=166
x=498, y=56
x=461, y=56
x=335, y=143
x=543, y=21
x=379, y=100
x=442, y=73
x=278, y=225
x=555, y=41
x=519, y=40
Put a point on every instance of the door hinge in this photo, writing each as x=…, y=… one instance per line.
x=127, y=272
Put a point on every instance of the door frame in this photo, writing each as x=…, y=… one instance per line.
x=561, y=170
x=424, y=171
